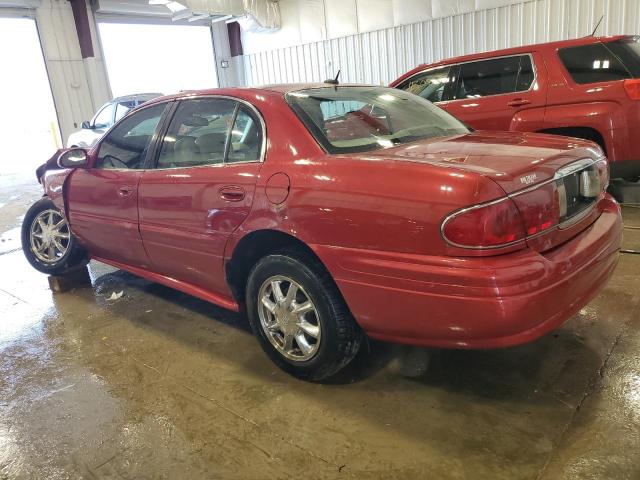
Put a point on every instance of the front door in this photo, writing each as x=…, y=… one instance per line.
x=493, y=94
x=103, y=198
x=201, y=189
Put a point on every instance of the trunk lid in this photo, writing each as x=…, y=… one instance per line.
x=542, y=174
x=513, y=160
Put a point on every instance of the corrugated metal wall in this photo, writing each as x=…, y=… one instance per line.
x=381, y=56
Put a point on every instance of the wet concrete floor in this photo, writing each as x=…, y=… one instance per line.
x=161, y=385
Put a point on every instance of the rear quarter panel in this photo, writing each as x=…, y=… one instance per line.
x=368, y=203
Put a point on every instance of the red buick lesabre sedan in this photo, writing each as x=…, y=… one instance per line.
x=329, y=212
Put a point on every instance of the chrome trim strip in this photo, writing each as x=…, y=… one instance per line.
x=570, y=222
x=560, y=174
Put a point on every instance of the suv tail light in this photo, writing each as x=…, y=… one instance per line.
x=632, y=87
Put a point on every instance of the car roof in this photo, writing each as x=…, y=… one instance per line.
x=136, y=96
x=247, y=92
x=514, y=51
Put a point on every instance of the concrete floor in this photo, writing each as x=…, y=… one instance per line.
x=161, y=385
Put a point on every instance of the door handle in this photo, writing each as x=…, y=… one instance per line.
x=125, y=190
x=232, y=193
x=518, y=102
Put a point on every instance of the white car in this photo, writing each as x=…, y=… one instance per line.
x=106, y=116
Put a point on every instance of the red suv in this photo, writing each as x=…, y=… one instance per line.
x=587, y=88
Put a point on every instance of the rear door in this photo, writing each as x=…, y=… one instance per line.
x=103, y=199
x=493, y=94
x=201, y=188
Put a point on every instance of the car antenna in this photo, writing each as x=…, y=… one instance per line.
x=334, y=81
x=593, y=34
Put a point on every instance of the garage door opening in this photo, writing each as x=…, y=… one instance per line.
x=28, y=124
x=157, y=58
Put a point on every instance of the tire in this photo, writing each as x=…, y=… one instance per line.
x=65, y=260
x=338, y=337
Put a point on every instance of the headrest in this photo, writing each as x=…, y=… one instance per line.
x=195, y=121
x=211, y=142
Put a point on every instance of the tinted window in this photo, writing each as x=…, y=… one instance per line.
x=246, y=138
x=488, y=77
x=104, y=118
x=627, y=50
x=359, y=119
x=592, y=63
x=127, y=144
x=197, y=134
x=526, y=74
x=434, y=85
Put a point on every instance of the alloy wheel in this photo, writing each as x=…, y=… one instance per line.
x=289, y=318
x=49, y=236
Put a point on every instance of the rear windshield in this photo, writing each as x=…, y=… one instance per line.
x=603, y=62
x=360, y=119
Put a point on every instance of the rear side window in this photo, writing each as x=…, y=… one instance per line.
x=494, y=77
x=434, y=85
x=198, y=133
x=627, y=50
x=592, y=63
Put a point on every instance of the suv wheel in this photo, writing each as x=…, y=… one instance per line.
x=300, y=317
x=47, y=241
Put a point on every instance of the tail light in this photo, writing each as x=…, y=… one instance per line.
x=603, y=172
x=540, y=208
x=491, y=225
x=632, y=87
x=529, y=212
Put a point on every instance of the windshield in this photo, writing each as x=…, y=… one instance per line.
x=360, y=119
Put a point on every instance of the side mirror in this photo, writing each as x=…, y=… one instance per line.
x=74, y=158
x=86, y=125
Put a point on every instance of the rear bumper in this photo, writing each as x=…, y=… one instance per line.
x=480, y=302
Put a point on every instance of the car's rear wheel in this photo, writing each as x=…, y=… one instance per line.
x=300, y=317
x=47, y=241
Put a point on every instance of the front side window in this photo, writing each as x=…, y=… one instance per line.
x=104, y=117
x=359, y=119
x=592, y=63
x=488, y=77
x=126, y=146
x=434, y=85
x=198, y=133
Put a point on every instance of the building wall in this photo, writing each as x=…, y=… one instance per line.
x=380, y=56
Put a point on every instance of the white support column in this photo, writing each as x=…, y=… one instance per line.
x=233, y=74
x=78, y=86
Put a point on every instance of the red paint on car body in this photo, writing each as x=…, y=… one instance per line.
x=556, y=102
x=373, y=219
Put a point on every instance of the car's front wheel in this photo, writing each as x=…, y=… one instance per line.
x=47, y=241
x=300, y=317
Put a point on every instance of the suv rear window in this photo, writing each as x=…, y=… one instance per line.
x=627, y=50
x=593, y=63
